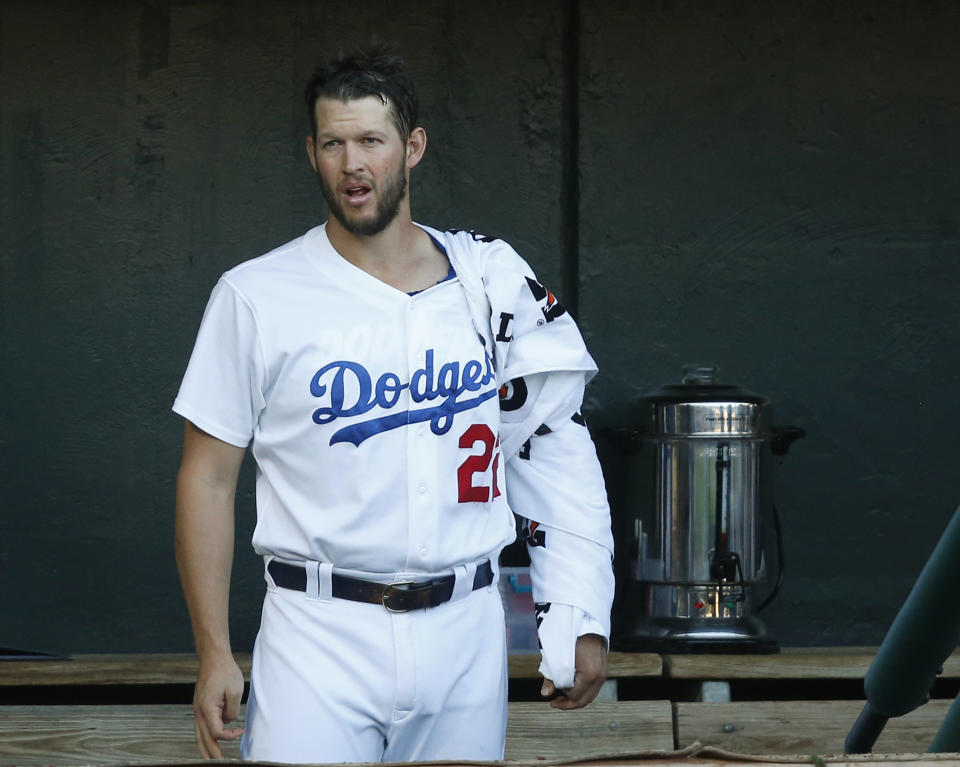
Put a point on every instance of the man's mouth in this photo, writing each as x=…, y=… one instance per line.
x=357, y=193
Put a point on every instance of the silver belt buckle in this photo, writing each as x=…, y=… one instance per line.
x=389, y=590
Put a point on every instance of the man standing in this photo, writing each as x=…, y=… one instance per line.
x=403, y=390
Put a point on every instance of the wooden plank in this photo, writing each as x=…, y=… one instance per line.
x=119, y=669
x=32, y=735
x=536, y=731
x=789, y=663
x=625, y=664
x=800, y=727
x=619, y=664
x=707, y=758
x=181, y=668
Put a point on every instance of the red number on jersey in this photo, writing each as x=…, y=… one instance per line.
x=478, y=464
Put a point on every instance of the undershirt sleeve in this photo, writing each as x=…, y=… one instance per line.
x=222, y=389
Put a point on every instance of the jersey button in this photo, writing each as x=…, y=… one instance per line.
x=423, y=551
x=422, y=490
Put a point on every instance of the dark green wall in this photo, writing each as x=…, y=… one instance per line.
x=770, y=186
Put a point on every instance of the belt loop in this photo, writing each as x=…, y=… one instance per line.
x=325, y=581
x=267, y=559
x=464, y=582
x=313, y=580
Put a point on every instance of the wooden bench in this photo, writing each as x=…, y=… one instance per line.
x=45, y=735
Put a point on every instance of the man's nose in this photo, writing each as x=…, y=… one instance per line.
x=352, y=159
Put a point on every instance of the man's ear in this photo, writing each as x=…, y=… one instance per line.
x=311, y=152
x=416, y=146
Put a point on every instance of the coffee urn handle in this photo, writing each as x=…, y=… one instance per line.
x=783, y=437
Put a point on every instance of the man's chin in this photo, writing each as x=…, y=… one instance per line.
x=362, y=225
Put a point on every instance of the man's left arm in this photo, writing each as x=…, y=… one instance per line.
x=556, y=484
x=551, y=467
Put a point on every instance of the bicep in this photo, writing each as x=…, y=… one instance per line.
x=208, y=460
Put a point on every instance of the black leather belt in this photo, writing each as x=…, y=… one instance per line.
x=399, y=597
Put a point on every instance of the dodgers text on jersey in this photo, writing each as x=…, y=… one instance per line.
x=351, y=391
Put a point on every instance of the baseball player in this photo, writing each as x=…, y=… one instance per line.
x=403, y=392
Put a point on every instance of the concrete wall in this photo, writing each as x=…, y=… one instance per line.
x=768, y=186
x=773, y=187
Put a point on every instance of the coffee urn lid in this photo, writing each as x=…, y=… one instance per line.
x=701, y=406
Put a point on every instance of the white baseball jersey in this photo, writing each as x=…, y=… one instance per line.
x=373, y=414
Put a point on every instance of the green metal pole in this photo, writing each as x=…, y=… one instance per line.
x=947, y=739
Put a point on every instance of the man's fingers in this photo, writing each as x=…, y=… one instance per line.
x=205, y=739
x=231, y=709
x=199, y=736
x=210, y=729
x=584, y=690
x=216, y=722
x=585, y=693
x=590, y=675
x=548, y=688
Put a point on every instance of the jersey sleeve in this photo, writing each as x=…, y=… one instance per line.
x=555, y=477
x=532, y=330
x=555, y=484
x=222, y=389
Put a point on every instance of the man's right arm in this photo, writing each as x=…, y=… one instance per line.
x=206, y=486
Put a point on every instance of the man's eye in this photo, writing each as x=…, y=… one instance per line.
x=330, y=144
x=371, y=140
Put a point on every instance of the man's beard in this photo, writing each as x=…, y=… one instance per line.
x=388, y=206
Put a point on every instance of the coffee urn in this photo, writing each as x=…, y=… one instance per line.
x=700, y=522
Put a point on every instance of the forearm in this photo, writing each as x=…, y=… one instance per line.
x=204, y=549
x=558, y=486
x=206, y=486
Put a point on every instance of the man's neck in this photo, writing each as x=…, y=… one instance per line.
x=402, y=255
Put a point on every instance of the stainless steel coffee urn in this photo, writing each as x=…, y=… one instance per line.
x=700, y=522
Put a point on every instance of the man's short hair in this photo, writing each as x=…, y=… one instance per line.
x=374, y=70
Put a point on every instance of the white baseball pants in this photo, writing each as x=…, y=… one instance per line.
x=341, y=681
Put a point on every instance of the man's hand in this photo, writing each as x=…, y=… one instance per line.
x=591, y=665
x=216, y=703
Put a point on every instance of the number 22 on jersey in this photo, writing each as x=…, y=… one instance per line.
x=471, y=487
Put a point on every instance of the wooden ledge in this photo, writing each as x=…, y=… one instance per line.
x=619, y=665
x=789, y=663
x=113, y=669
x=181, y=668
